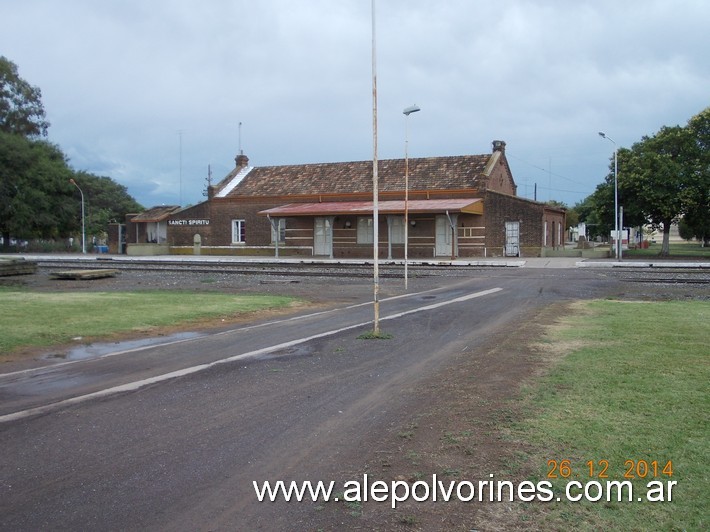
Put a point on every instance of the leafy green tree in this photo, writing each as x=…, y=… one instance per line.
x=35, y=194
x=588, y=212
x=572, y=217
x=696, y=221
x=690, y=227
x=660, y=179
x=597, y=211
x=37, y=199
x=105, y=201
x=21, y=109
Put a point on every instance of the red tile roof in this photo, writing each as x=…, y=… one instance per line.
x=431, y=173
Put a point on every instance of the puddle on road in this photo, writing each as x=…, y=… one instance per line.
x=96, y=350
x=297, y=350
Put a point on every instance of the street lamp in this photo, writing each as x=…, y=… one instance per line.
x=408, y=111
x=617, y=236
x=83, y=227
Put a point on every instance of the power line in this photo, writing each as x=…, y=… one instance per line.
x=546, y=170
x=563, y=190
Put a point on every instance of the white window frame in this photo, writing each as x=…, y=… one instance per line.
x=365, y=230
x=239, y=235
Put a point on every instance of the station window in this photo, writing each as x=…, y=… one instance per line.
x=365, y=231
x=238, y=232
x=397, y=230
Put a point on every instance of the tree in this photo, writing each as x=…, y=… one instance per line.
x=696, y=221
x=21, y=109
x=661, y=178
x=692, y=226
x=35, y=193
x=37, y=199
x=572, y=217
x=106, y=201
x=589, y=212
x=597, y=211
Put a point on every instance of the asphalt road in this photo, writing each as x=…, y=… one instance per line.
x=286, y=399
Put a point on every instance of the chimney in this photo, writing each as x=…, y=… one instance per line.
x=241, y=160
x=499, y=145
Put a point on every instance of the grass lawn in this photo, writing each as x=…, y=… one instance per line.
x=629, y=393
x=43, y=319
x=677, y=249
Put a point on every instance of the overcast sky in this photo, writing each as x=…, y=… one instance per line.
x=150, y=93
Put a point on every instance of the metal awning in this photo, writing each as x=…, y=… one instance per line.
x=341, y=208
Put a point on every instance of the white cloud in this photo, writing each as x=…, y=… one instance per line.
x=120, y=79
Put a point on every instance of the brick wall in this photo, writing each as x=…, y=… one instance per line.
x=113, y=237
x=478, y=235
x=471, y=229
x=501, y=178
x=183, y=235
x=135, y=232
x=553, y=228
x=501, y=208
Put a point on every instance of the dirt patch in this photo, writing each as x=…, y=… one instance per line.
x=454, y=430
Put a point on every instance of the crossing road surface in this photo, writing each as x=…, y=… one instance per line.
x=172, y=436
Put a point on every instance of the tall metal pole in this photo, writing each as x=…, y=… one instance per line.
x=617, y=243
x=83, y=218
x=375, y=183
x=406, y=199
x=408, y=111
x=617, y=209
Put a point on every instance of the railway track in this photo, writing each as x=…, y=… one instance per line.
x=672, y=276
x=668, y=279
x=357, y=270
x=256, y=268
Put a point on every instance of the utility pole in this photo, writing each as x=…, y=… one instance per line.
x=375, y=184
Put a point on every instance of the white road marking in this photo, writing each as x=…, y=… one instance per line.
x=132, y=386
x=202, y=337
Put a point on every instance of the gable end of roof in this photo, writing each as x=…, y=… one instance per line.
x=232, y=183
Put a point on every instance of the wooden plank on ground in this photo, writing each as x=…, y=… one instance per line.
x=82, y=275
x=19, y=266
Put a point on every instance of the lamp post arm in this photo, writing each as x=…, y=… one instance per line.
x=83, y=217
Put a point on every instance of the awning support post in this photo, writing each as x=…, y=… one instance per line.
x=452, y=224
x=276, y=231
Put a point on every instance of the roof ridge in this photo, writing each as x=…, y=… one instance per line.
x=446, y=172
x=369, y=161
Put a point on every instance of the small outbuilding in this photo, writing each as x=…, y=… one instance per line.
x=147, y=233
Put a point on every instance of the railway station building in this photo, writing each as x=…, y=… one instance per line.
x=456, y=206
